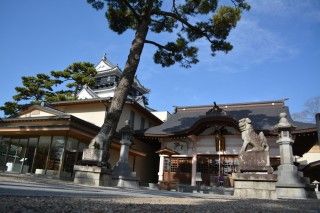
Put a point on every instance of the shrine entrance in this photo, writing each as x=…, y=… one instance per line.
x=178, y=170
x=210, y=168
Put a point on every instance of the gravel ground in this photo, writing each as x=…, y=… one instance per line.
x=158, y=202
x=161, y=204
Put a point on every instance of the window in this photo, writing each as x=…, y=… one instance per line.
x=142, y=123
x=180, y=165
x=131, y=122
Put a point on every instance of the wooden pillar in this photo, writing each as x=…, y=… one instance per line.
x=169, y=174
x=48, y=155
x=194, y=170
x=134, y=163
x=161, y=168
x=15, y=155
x=76, y=156
x=35, y=154
x=7, y=151
x=24, y=155
x=77, y=153
x=62, y=158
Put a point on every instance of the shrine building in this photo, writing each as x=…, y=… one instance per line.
x=195, y=143
x=201, y=143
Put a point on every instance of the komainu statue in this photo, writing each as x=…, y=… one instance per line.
x=254, y=153
x=251, y=141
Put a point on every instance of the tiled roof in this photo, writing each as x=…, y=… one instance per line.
x=264, y=116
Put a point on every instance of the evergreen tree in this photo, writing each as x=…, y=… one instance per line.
x=43, y=87
x=10, y=108
x=189, y=20
x=75, y=76
x=35, y=89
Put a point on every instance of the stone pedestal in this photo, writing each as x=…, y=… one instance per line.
x=255, y=161
x=289, y=184
x=252, y=185
x=90, y=171
x=92, y=175
x=94, y=155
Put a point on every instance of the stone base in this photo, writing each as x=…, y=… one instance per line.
x=126, y=182
x=290, y=184
x=92, y=175
x=252, y=185
x=291, y=193
x=255, y=161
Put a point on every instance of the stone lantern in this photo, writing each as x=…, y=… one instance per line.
x=121, y=173
x=289, y=184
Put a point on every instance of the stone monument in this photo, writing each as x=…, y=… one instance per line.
x=94, y=168
x=289, y=184
x=254, y=178
x=121, y=174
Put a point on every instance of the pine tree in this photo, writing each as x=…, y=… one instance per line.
x=35, y=89
x=44, y=88
x=189, y=21
x=75, y=76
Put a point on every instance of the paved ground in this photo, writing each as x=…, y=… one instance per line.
x=31, y=194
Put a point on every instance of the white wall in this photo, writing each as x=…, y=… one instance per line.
x=162, y=115
x=105, y=93
x=95, y=114
x=83, y=94
x=206, y=145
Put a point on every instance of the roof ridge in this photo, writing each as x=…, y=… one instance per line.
x=234, y=104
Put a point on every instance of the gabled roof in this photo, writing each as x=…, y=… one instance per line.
x=264, y=116
x=89, y=91
x=46, y=109
x=104, y=64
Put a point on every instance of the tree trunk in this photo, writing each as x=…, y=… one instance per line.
x=104, y=137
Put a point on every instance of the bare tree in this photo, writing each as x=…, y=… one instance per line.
x=311, y=108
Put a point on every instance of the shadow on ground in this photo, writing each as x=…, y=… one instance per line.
x=160, y=204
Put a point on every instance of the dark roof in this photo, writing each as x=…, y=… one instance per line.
x=264, y=116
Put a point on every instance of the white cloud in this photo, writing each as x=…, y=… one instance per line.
x=253, y=45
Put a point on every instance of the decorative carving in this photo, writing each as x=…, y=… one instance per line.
x=250, y=138
x=177, y=144
x=216, y=110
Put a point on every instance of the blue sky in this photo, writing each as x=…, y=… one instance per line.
x=276, y=53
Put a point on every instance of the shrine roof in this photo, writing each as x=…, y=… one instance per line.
x=264, y=116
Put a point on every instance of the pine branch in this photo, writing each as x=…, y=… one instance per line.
x=160, y=46
x=135, y=13
x=183, y=22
